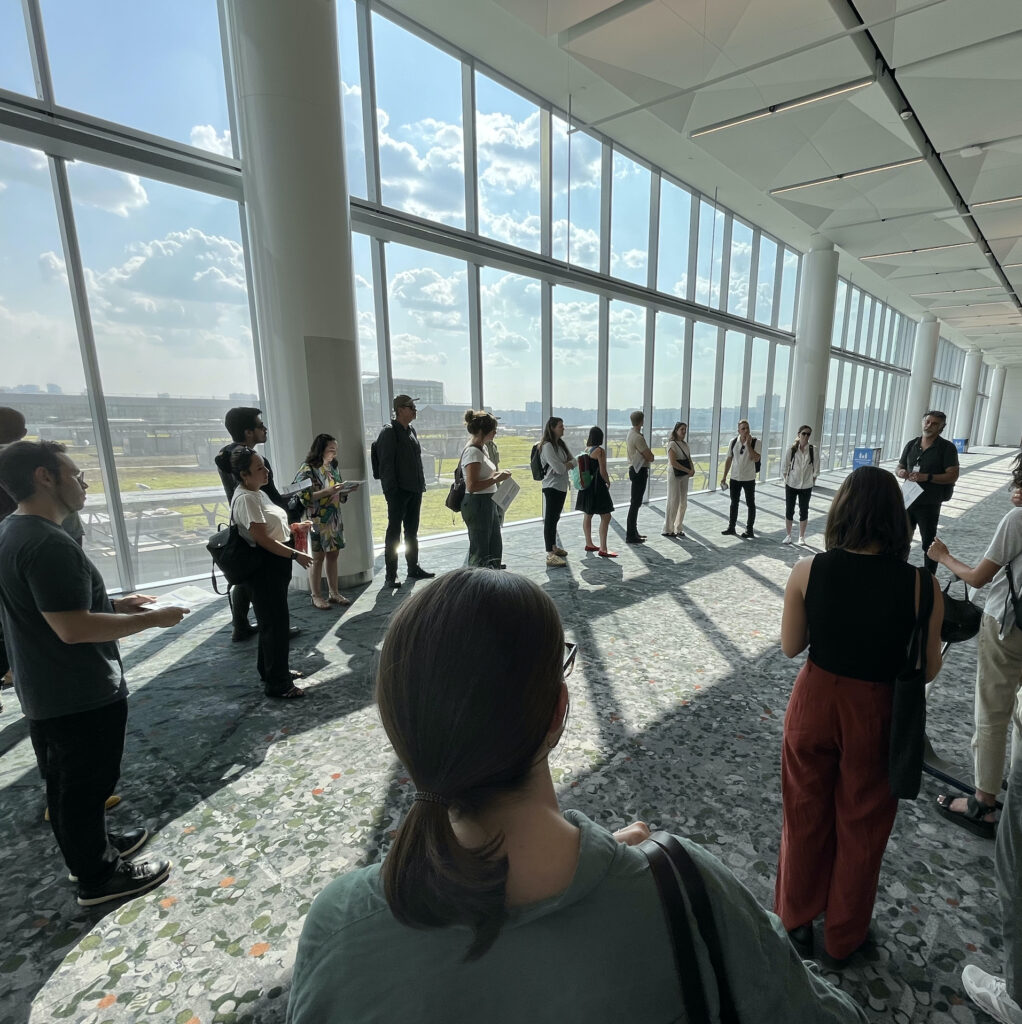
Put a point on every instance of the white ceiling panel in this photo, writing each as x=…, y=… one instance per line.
x=994, y=173
x=905, y=233
x=939, y=28
x=1000, y=222
x=915, y=263
x=949, y=280
x=1007, y=250
x=968, y=97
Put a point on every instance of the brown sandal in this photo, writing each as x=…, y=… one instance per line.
x=320, y=602
x=339, y=599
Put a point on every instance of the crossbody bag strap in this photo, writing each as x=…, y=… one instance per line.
x=673, y=904
x=695, y=888
x=921, y=633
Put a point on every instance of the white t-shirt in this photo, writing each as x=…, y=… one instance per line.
x=248, y=507
x=556, y=478
x=799, y=472
x=743, y=466
x=487, y=469
x=1005, y=546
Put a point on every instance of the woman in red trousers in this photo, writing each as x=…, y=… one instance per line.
x=855, y=608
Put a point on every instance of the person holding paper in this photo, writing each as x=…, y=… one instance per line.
x=323, y=507
x=481, y=479
x=930, y=461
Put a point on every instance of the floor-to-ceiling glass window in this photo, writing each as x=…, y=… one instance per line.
x=626, y=356
x=577, y=191
x=668, y=386
x=575, y=362
x=673, y=248
x=629, y=220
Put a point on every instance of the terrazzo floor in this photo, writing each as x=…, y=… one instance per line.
x=678, y=700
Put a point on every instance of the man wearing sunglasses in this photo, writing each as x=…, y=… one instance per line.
x=744, y=453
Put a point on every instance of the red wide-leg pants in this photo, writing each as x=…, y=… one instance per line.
x=838, y=807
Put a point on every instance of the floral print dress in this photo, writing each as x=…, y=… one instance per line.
x=325, y=512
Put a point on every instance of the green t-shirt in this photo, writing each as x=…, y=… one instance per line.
x=599, y=951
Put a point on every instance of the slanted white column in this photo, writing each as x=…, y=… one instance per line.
x=969, y=393
x=818, y=293
x=296, y=194
x=920, y=383
x=989, y=433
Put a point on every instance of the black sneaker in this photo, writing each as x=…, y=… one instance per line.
x=125, y=843
x=418, y=573
x=132, y=878
x=729, y=532
x=392, y=582
x=242, y=633
x=748, y=534
x=293, y=630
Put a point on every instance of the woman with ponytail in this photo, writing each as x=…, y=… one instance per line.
x=485, y=546
x=491, y=904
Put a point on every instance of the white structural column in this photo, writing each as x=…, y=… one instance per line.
x=989, y=433
x=969, y=393
x=289, y=120
x=812, y=337
x=920, y=383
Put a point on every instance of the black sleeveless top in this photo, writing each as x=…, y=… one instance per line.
x=861, y=613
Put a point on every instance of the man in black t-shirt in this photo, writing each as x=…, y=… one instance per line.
x=932, y=462
x=247, y=429
x=62, y=632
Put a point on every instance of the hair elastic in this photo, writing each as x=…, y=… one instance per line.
x=432, y=798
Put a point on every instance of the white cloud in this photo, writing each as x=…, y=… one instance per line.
x=112, y=191
x=205, y=136
x=430, y=299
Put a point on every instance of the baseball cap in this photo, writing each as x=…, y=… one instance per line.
x=403, y=400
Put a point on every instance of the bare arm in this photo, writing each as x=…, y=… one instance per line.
x=976, y=578
x=85, y=627
x=794, y=621
x=474, y=481
x=601, y=460
x=262, y=537
x=727, y=469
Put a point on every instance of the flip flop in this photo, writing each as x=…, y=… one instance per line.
x=971, y=819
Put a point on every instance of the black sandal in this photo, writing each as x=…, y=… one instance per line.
x=293, y=694
x=972, y=819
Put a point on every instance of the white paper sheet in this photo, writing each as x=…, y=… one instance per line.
x=183, y=597
x=910, y=490
x=506, y=493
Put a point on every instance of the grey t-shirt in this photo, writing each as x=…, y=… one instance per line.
x=1005, y=547
x=43, y=570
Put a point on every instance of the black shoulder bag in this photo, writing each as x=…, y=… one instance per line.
x=669, y=861
x=232, y=555
x=908, y=705
x=961, y=616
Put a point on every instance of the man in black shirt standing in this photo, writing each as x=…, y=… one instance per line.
x=62, y=631
x=932, y=462
x=403, y=482
x=247, y=429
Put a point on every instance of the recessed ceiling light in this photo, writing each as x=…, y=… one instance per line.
x=780, y=108
x=847, y=174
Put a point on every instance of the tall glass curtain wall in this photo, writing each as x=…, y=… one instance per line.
x=947, y=381
x=867, y=382
x=125, y=300
x=124, y=309
x=463, y=148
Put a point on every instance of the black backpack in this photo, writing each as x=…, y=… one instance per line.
x=374, y=461
x=536, y=463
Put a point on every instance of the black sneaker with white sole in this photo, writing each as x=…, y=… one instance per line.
x=125, y=843
x=132, y=878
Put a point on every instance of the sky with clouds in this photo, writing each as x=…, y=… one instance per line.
x=165, y=269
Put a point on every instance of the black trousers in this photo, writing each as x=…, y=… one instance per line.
x=79, y=756
x=925, y=517
x=403, y=508
x=803, y=495
x=269, y=597
x=737, y=486
x=553, y=505
x=639, y=479
x=240, y=598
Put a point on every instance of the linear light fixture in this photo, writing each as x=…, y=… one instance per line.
x=957, y=291
x=995, y=202
x=780, y=108
x=847, y=174
x=910, y=252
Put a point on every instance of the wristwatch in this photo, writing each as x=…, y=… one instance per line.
x=294, y=556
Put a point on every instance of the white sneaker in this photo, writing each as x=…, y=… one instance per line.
x=553, y=559
x=787, y=540
x=991, y=994
x=803, y=542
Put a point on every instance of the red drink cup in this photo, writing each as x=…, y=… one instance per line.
x=300, y=536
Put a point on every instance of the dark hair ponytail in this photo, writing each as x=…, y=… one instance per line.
x=467, y=736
